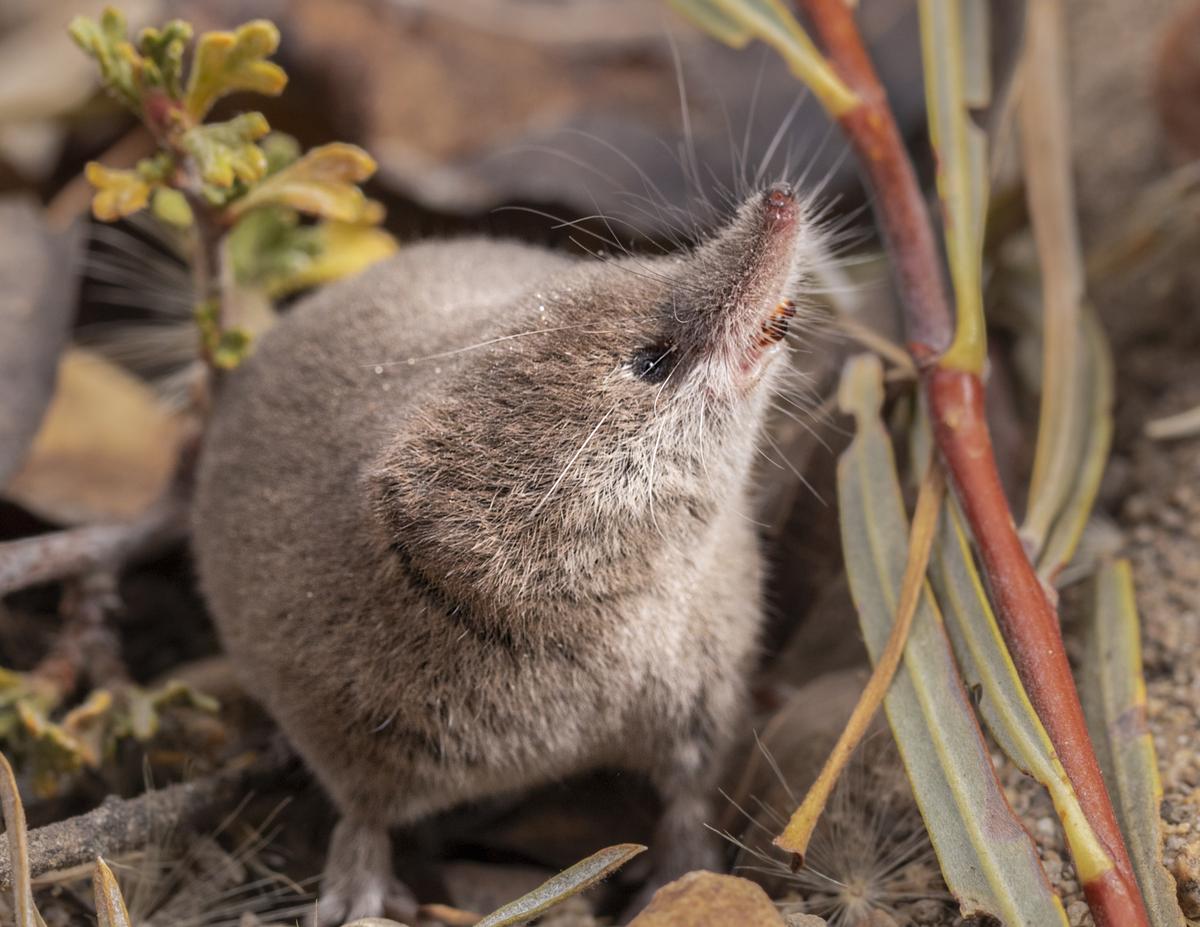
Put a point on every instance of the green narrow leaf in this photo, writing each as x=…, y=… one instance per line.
x=1091, y=424
x=1114, y=700
x=1074, y=423
x=107, y=42
x=987, y=858
x=953, y=84
x=988, y=668
x=582, y=875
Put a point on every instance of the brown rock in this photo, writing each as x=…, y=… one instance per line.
x=804, y=920
x=706, y=899
x=1187, y=879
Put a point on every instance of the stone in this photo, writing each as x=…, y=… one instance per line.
x=706, y=899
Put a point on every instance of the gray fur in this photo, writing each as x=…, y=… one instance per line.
x=457, y=547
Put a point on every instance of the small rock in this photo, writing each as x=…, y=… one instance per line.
x=1078, y=914
x=804, y=920
x=1187, y=880
x=704, y=899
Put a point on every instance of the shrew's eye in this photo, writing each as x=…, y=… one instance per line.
x=654, y=362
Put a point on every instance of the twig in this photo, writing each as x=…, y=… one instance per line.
x=955, y=395
x=118, y=826
x=75, y=551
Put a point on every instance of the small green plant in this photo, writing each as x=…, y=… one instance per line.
x=54, y=744
x=236, y=189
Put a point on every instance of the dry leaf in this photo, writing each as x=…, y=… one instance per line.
x=105, y=451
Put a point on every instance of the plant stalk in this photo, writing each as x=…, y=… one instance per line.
x=955, y=398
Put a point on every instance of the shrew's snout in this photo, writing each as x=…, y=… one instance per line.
x=781, y=208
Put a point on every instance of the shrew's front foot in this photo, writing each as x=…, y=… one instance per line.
x=358, y=881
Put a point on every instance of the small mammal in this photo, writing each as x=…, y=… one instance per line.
x=480, y=518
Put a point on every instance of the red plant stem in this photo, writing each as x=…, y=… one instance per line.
x=1030, y=626
x=955, y=397
x=899, y=203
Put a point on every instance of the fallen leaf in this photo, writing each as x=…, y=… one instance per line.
x=106, y=449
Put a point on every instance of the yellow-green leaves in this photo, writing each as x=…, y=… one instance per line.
x=225, y=151
x=342, y=249
x=107, y=42
x=225, y=348
x=987, y=858
x=1114, y=697
x=130, y=73
x=736, y=22
x=122, y=193
x=162, y=56
x=272, y=251
x=227, y=62
x=55, y=748
x=321, y=183
x=171, y=207
x=213, y=178
x=118, y=193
